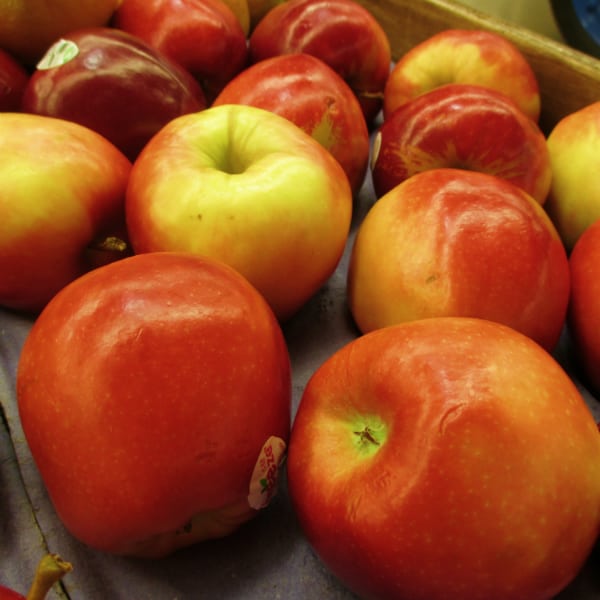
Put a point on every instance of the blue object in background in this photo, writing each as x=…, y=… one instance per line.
x=579, y=23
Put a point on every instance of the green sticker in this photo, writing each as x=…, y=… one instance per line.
x=58, y=54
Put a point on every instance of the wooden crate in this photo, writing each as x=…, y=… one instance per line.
x=568, y=79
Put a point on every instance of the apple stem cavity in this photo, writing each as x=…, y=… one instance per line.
x=369, y=436
x=105, y=250
x=366, y=435
x=50, y=569
x=110, y=243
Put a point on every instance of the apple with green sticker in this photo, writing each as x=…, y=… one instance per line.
x=155, y=396
x=114, y=83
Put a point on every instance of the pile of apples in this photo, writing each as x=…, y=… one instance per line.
x=179, y=178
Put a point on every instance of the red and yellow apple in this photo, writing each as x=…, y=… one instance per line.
x=584, y=306
x=446, y=459
x=342, y=33
x=113, y=83
x=63, y=199
x=574, y=149
x=450, y=242
x=203, y=36
x=309, y=93
x=475, y=57
x=248, y=187
x=462, y=126
x=154, y=394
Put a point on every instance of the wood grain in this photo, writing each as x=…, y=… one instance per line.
x=568, y=79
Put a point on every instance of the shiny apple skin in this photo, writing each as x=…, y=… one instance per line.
x=462, y=126
x=450, y=242
x=584, y=306
x=485, y=484
x=574, y=147
x=13, y=79
x=146, y=390
x=342, y=33
x=470, y=56
x=309, y=93
x=248, y=187
x=203, y=36
x=116, y=85
x=64, y=192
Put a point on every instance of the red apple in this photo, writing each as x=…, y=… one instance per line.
x=13, y=79
x=51, y=569
x=464, y=56
x=62, y=202
x=306, y=91
x=248, y=187
x=450, y=242
x=113, y=83
x=154, y=394
x=203, y=36
x=584, y=308
x=446, y=459
x=574, y=149
x=342, y=33
x=462, y=126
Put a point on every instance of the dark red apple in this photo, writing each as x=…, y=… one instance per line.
x=342, y=33
x=203, y=36
x=113, y=83
x=13, y=79
x=462, y=126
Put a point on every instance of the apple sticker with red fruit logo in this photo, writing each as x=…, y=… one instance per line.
x=263, y=483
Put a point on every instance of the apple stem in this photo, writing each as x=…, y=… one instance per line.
x=50, y=569
x=374, y=95
x=366, y=436
x=111, y=243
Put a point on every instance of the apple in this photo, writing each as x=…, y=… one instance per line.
x=203, y=36
x=462, y=126
x=475, y=57
x=13, y=79
x=154, y=394
x=29, y=27
x=248, y=187
x=113, y=83
x=450, y=242
x=309, y=93
x=63, y=204
x=574, y=149
x=342, y=33
x=448, y=458
x=584, y=309
x=51, y=569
